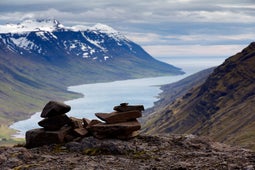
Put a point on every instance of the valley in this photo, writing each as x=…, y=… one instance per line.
x=39, y=59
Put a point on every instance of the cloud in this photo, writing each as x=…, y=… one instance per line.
x=142, y=11
x=183, y=26
x=188, y=39
x=193, y=50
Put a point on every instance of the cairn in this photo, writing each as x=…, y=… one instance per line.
x=57, y=127
x=121, y=124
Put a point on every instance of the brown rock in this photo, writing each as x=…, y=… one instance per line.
x=54, y=108
x=55, y=123
x=39, y=137
x=81, y=131
x=123, y=107
x=116, y=130
x=85, y=122
x=118, y=117
x=92, y=123
x=128, y=135
x=76, y=123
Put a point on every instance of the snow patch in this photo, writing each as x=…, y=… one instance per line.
x=106, y=57
x=24, y=43
x=48, y=25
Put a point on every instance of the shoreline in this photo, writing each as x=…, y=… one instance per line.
x=156, y=85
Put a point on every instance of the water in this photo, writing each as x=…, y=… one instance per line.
x=101, y=97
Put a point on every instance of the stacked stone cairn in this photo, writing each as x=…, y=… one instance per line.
x=57, y=127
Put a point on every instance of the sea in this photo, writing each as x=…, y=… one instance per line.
x=102, y=97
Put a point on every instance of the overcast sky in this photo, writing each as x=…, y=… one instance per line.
x=164, y=28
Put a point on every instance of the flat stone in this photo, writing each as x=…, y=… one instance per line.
x=40, y=137
x=81, y=132
x=76, y=123
x=116, y=130
x=124, y=107
x=55, y=123
x=118, y=117
x=54, y=108
x=92, y=123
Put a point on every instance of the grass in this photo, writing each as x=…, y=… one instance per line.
x=6, y=138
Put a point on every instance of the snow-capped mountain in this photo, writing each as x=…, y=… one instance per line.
x=34, y=36
x=50, y=42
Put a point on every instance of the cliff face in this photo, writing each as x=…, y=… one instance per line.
x=223, y=107
x=143, y=152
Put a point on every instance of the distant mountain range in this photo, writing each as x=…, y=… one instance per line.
x=40, y=58
x=221, y=106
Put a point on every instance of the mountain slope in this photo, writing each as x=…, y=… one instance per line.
x=223, y=107
x=40, y=58
x=175, y=90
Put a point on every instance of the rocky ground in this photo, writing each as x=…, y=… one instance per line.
x=143, y=152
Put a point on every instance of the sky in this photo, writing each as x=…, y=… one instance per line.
x=164, y=28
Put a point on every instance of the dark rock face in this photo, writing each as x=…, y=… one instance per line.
x=54, y=108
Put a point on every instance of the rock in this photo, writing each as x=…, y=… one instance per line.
x=76, y=123
x=123, y=107
x=128, y=135
x=54, y=108
x=55, y=123
x=92, y=123
x=118, y=117
x=39, y=137
x=85, y=122
x=143, y=152
x=81, y=131
x=103, y=130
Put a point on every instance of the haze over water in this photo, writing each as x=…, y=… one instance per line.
x=102, y=97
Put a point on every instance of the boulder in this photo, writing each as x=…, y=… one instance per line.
x=39, y=137
x=54, y=108
x=116, y=130
x=55, y=123
x=118, y=117
x=124, y=107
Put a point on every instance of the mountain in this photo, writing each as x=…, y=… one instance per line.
x=175, y=90
x=40, y=58
x=222, y=107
